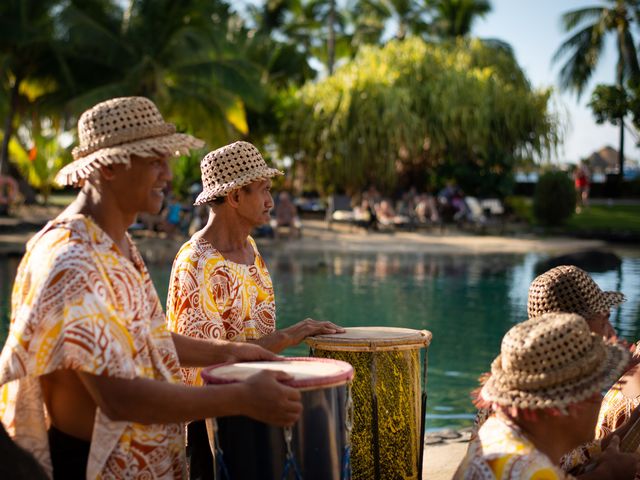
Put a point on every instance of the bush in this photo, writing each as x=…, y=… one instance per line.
x=554, y=199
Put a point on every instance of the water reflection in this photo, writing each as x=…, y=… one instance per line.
x=467, y=301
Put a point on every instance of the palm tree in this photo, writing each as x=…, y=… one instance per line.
x=588, y=28
x=176, y=53
x=455, y=18
x=26, y=55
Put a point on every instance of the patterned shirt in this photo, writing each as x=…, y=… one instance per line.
x=503, y=452
x=616, y=410
x=79, y=304
x=211, y=297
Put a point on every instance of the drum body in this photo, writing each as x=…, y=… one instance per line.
x=316, y=447
x=388, y=398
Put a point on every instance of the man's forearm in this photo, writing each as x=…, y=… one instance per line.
x=275, y=342
x=194, y=352
x=149, y=401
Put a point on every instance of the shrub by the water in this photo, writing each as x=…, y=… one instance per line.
x=554, y=199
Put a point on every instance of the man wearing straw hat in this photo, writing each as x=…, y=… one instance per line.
x=90, y=375
x=545, y=389
x=220, y=286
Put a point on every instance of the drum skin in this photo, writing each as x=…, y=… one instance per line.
x=387, y=426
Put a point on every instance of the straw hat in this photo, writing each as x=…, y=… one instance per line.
x=230, y=167
x=112, y=131
x=569, y=289
x=552, y=361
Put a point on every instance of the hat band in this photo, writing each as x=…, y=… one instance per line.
x=127, y=135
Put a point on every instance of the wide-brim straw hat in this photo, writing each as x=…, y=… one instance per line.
x=231, y=167
x=110, y=132
x=569, y=289
x=552, y=362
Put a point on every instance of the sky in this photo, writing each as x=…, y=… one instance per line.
x=533, y=29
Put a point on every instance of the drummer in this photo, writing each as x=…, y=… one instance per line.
x=220, y=287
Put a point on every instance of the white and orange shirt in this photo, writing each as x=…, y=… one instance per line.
x=79, y=304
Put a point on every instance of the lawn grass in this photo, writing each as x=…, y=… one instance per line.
x=594, y=219
x=605, y=218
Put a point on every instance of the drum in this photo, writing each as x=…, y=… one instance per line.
x=389, y=403
x=317, y=447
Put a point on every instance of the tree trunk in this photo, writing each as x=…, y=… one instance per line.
x=8, y=125
x=621, y=154
x=331, y=41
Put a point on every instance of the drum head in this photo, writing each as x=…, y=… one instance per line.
x=307, y=373
x=371, y=339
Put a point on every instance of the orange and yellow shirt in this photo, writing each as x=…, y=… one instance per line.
x=502, y=452
x=79, y=304
x=211, y=297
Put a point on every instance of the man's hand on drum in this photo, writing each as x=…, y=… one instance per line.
x=308, y=328
x=288, y=337
x=270, y=401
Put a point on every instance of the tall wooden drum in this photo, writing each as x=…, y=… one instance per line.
x=389, y=397
x=317, y=447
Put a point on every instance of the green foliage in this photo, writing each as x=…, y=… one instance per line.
x=554, y=199
x=414, y=112
x=40, y=163
x=186, y=172
x=609, y=103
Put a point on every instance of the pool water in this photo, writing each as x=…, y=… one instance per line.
x=468, y=302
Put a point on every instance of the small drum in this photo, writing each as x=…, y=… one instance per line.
x=317, y=447
x=388, y=401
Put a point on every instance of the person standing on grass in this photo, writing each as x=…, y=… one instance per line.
x=220, y=287
x=90, y=375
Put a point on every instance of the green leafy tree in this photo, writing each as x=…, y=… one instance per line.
x=588, y=28
x=414, y=112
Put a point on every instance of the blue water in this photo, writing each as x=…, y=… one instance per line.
x=466, y=301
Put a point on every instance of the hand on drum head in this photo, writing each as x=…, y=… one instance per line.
x=308, y=328
x=270, y=401
x=243, y=352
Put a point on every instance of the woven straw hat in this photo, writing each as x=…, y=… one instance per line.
x=571, y=290
x=552, y=361
x=112, y=131
x=230, y=167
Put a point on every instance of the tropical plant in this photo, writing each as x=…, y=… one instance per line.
x=39, y=162
x=176, y=53
x=417, y=113
x=455, y=18
x=588, y=28
x=554, y=199
x=27, y=55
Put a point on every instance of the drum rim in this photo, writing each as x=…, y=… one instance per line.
x=334, y=380
x=416, y=339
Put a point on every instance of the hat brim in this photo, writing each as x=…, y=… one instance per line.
x=222, y=190
x=563, y=395
x=79, y=170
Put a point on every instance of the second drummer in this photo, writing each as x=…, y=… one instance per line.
x=220, y=287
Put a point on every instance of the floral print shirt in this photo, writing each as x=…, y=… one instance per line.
x=211, y=297
x=502, y=452
x=79, y=304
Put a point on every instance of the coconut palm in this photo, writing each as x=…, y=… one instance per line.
x=455, y=18
x=588, y=27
